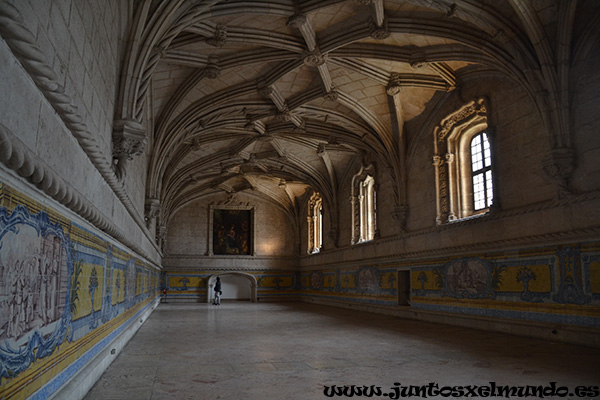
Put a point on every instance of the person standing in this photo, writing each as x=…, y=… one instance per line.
x=218, y=292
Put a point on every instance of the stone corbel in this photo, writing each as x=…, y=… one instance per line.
x=558, y=167
x=400, y=215
x=334, y=236
x=161, y=238
x=152, y=210
x=129, y=140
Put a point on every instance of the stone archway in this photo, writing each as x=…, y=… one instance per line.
x=213, y=278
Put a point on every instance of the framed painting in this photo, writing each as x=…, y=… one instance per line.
x=232, y=231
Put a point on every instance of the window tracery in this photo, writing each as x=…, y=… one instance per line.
x=463, y=163
x=315, y=223
x=364, y=206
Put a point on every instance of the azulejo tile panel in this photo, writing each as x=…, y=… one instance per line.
x=194, y=285
x=559, y=284
x=63, y=288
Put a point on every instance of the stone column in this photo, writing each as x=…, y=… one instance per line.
x=437, y=161
x=451, y=187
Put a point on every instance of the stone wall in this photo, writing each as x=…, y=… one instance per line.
x=190, y=231
x=79, y=268
x=63, y=60
x=535, y=252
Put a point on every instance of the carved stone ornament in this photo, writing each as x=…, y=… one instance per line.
x=297, y=20
x=400, y=214
x=196, y=144
x=314, y=58
x=129, y=139
x=334, y=236
x=265, y=91
x=559, y=166
x=220, y=37
x=161, y=51
x=332, y=95
x=321, y=150
x=379, y=32
x=284, y=115
x=152, y=210
x=161, y=237
x=418, y=64
x=212, y=68
x=393, y=87
x=475, y=108
x=452, y=10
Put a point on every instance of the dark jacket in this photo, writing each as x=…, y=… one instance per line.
x=218, y=286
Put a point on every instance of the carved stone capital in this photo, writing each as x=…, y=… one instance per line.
x=129, y=139
x=437, y=160
x=449, y=157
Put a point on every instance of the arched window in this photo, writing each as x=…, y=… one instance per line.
x=463, y=162
x=364, y=206
x=315, y=223
x=481, y=172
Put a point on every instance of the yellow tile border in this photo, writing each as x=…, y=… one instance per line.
x=43, y=370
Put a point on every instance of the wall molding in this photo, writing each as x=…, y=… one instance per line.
x=21, y=160
x=557, y=237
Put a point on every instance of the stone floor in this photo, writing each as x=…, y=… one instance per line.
x=269, y=351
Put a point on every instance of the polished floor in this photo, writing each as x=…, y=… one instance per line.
x=247, y=351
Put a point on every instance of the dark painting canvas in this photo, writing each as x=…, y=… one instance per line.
x=232, y=233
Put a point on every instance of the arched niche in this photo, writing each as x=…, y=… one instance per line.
x=210, y=293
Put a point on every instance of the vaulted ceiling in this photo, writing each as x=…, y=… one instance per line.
x=278, y=96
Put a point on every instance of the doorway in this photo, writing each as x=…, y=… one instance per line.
x=404, y=288
x=235, y=286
